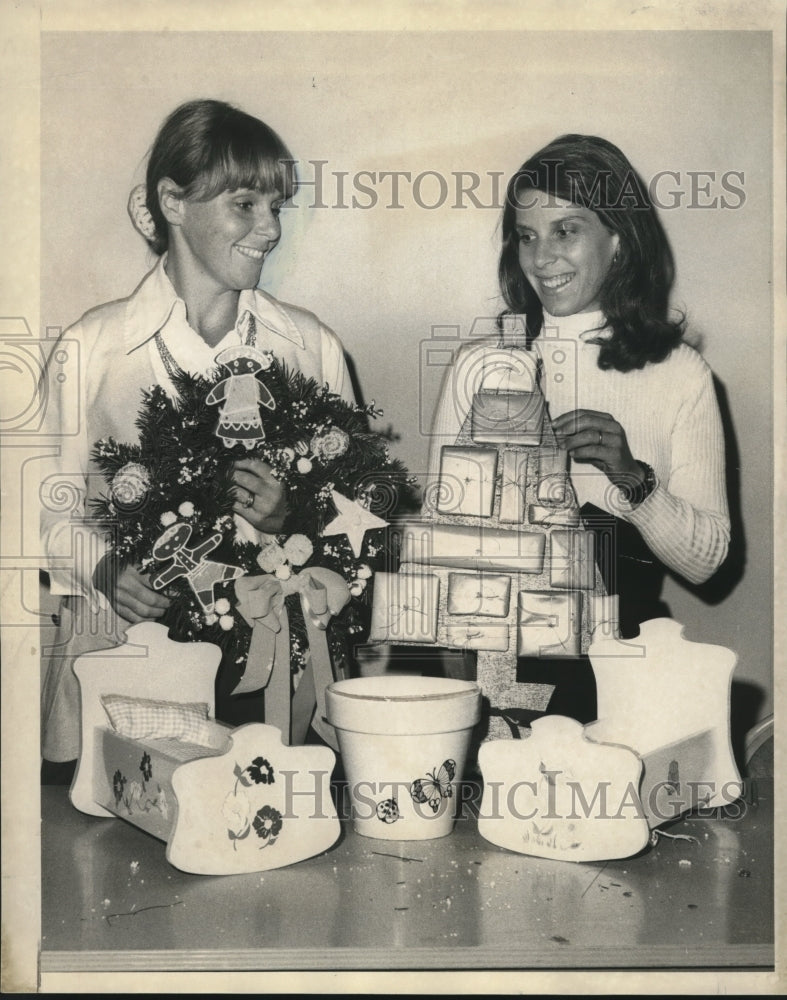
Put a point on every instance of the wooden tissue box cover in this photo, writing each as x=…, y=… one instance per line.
x=133, y=778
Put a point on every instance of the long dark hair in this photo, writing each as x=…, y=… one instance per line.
x=634, y=298
x=208, y=146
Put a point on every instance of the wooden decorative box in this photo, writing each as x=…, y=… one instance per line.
x=660, y=748
x=238, y=800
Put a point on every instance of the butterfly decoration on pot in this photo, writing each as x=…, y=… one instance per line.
x=435, y=787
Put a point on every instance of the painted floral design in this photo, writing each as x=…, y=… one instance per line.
x=236, y=811
x=267, y=822
x=388, y=811
x=136, y=797
x=146, y=767
x=118, y=783
x=556, y=836
x=133, y=798
x=258, y=772
x=267, y=825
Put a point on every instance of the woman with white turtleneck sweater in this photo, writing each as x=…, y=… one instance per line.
x=672, y=423
x=586, y=262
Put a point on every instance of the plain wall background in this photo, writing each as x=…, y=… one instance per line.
x=383, y=278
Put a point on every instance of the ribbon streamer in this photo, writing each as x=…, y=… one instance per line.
x=323, y=594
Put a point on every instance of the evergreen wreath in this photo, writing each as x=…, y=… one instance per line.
x=181, y=472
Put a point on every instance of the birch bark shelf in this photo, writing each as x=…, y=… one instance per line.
x=498, y=562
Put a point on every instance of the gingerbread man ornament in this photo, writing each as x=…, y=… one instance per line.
x=201, y=573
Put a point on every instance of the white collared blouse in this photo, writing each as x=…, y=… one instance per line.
x=117, y=359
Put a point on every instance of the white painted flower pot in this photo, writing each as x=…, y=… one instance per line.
x=403, y=742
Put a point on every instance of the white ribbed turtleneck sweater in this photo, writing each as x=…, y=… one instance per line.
x=671, y=419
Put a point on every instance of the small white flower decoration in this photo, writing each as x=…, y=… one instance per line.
x=363, y=572
x=304, y=466
x=236, y=811
x=168, y=517
x=226, y=622
x=186, y=509
x=222, y=606
x=298, y=549
x=283, y=572
x=270, y=557
x=357, y=587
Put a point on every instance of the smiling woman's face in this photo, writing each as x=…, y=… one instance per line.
x=226, y=239
x=565, y=252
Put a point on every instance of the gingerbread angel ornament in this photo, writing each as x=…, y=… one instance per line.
x=240, y=395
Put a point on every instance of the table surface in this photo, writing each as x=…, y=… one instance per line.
x=111, y=901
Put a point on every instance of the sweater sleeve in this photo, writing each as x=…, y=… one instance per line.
x=685, y=521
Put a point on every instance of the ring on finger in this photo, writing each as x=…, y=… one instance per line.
x=249, y=501
x=600, y=438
